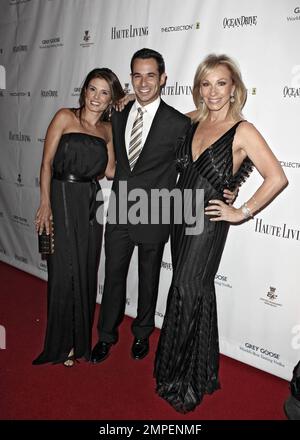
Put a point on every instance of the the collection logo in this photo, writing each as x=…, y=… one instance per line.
x=19, y=137
x=286, y=164
x=20, y=48
x=270, y=299
x=51, y=42
x=167, y=266
x=21, y=259
x=283, y=231
x=86, y=39
x=177, y=89
x=130, y=32
x=19, y=94
x=262, y=352
x=296, y=15
x=222, y=280
x=181, y=27
x=240, y=21
x=49, y=93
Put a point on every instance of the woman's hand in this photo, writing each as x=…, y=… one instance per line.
x=120, y=105
x=44, y=219
x=230, y=196
x=223, y=212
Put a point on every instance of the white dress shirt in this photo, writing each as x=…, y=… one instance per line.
x=148, y=115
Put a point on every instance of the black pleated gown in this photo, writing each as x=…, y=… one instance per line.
x=72, y=269
x=187, y=357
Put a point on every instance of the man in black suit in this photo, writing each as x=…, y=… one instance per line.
x=150, y=166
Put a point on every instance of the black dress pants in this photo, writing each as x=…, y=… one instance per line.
x=118, y=252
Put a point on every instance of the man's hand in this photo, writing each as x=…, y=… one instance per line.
x=230, y=196
x=121, y=104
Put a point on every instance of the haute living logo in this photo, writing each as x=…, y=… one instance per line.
x=282, y=231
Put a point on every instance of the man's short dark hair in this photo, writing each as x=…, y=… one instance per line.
x=149, y=53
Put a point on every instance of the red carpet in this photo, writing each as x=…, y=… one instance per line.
x=120, y=388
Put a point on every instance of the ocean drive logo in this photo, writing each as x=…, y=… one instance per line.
x=157, y=207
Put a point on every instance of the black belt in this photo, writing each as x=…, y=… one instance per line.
x=72, y=178
x=77, y=179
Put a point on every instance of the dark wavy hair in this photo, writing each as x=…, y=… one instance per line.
x=116, y=90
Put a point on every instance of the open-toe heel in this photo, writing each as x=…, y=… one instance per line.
x=70, y=361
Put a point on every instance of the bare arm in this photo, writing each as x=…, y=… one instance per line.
x=111, y=164
x=249, y=142
x=55, y=130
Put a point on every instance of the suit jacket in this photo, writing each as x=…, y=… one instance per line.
x=154, y=169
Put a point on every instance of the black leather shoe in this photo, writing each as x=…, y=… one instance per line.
x=140, y=348
x=100, y=352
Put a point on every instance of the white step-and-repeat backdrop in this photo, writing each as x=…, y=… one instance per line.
x=46, y=49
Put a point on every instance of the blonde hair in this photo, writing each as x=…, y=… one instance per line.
x=240, y=93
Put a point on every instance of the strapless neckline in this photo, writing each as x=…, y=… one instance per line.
x=85, y=134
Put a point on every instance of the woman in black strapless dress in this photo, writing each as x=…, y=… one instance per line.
x=219, y=152
x=78, y=150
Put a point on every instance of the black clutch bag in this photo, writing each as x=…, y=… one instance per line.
x=46, y=243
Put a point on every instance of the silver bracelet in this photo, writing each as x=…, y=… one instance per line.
x=246, y=211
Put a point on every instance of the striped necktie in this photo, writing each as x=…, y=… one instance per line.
x=135, y=144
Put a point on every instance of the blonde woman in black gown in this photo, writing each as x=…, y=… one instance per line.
x=78, y=150
x=219, y=152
